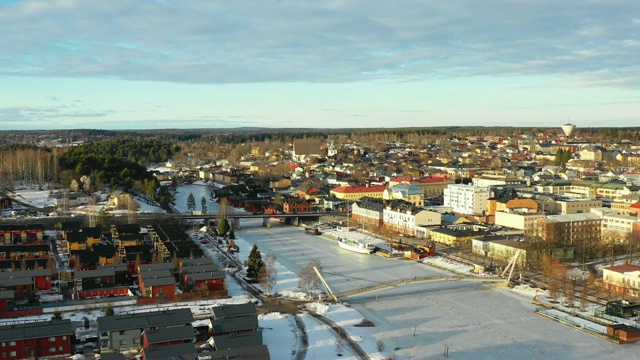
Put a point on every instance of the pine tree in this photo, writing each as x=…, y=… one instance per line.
x=191, y=202
x=203, y=205
x=108, y=311
x=223, y=227
x=255, y=264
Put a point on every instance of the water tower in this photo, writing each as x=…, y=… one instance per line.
x=568, y=129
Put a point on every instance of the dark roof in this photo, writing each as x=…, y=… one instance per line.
x=145, y=320
x=22, y=281
x=77, y=237
x=35, y=330
x=231, y=310
x=196, y=262
x=146, y=275
x=7, y=294
x=199, y=268
x=169, y=351
x=112, y=356
x=259, y=352
x=159, y=281
x=158, y=266
x=233, y=324
x=162, y=335
x=234, y=341
x=24, y=274
x=457, y=232
x=95, y=273
x=206, y=275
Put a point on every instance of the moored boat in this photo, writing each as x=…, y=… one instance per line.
x=356, y=246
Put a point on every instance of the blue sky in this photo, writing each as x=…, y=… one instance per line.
x=138, y=64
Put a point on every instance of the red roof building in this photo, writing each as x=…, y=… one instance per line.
x=357, y=192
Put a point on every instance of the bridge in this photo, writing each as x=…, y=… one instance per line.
x=234, y=217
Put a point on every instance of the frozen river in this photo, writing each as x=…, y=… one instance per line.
x=475, y=319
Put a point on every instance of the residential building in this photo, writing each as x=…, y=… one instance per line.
x=120, y=332
x=487, y=180
x=466, y=199
x=570, y=228
x=432, y=186
x=517, y=220
x=236, y=341
x=41, y=339
x=458, y=237
x=358, y=192
x=296, y=205
x=403, y=217
x=368, y=211
x=405, y=192
x=167, y=336
x=618, y=228
x=175, y=351
x=622, y=279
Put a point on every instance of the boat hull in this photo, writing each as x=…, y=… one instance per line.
x=355, y=246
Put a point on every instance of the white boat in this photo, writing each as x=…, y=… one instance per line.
x=356, y=246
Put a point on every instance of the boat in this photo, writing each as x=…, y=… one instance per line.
x=353, y=244
x=356, y=246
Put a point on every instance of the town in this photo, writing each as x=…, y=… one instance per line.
x=152, y=247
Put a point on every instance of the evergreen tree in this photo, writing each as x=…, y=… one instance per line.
x=223, y=227
x=108, y=311
x=57, y=315
x=191, y=202
x=255, y=265
x=203, y=205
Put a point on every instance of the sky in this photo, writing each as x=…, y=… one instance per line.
x=143, y=64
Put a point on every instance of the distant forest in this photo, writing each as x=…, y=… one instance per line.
x=259, y=135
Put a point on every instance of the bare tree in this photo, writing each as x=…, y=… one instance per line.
x=269, y=276
x=308, y=279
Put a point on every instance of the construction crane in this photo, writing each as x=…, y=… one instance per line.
x=326, y=286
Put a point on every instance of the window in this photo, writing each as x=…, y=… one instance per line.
x=123, y=342
x=122, y=332
x=52, y=349
x=12, y=343
x=136, y=341
x=64, y=337
x=52, y=339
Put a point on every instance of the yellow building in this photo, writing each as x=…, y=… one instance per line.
x=458, y=238
x=357, y=192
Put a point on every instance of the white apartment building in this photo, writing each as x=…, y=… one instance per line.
x=490, y=180
x=466, y=199
x=617, y=228
x=405, y=219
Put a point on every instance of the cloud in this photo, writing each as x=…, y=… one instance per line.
x=16, y=114
x=307, y=41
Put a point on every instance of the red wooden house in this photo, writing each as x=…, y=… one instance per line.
x=37, y=339
x=297, y=205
